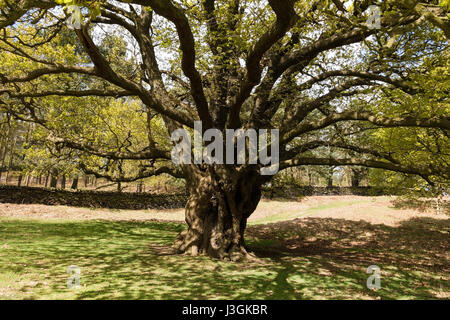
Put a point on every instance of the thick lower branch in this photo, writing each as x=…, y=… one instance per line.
x=422, y=171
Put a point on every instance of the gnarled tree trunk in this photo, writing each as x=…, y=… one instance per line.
x=74, y=183
x=221, y=200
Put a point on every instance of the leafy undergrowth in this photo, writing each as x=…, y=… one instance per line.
x=312, y=258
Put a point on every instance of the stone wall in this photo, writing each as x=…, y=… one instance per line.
x=91, y=199
x=139, y=201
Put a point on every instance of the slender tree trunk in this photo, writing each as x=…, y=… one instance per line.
x=19, y=181
x=47, y=177
x=4, y=149
x=310, y=178
x=1, y=170
x=63, y=182
x=356, y=177
x=27, y=140
x=219, y=205
x=140, y=186
x=330, y=182
x=74, y=183
x=11, y=157
x=54, y=178
x=53, y=181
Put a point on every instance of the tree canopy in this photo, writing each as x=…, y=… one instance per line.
x=367, y=80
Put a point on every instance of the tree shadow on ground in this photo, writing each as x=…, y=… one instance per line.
x=413, y=257
x=302, y=259
x=422, y=205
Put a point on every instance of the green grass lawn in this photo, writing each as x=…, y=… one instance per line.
x=294, y=214
x=311, y=259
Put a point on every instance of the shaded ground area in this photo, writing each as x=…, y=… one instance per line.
x=323, y=253
x=413, y=257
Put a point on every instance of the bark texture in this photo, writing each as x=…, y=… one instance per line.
x=221, y=200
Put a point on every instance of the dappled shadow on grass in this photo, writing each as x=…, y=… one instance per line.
x=422, y=205
x=301, y=259
x=413, y=257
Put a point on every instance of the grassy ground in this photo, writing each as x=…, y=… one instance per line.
x=323, y=253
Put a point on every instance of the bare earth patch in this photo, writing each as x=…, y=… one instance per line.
x=37, y=211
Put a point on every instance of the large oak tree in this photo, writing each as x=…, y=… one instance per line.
x=322, y=72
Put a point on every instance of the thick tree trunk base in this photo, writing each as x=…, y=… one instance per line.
x=216, y=215
x=225, y=250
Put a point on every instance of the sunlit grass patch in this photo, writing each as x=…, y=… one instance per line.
x=294, y=214
x=117, y=260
